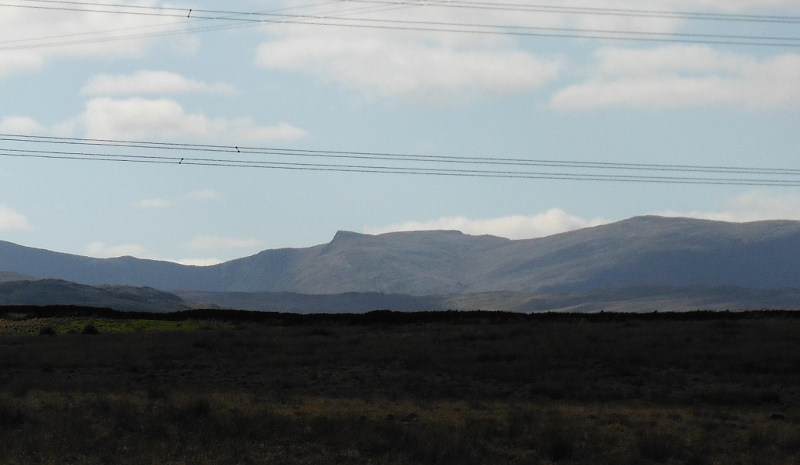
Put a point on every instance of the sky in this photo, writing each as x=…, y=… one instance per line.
x=167, y=75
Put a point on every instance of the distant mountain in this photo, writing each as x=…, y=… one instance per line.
x=630, y=299
x=57, y=292
x=6, y=276
x=642, y=251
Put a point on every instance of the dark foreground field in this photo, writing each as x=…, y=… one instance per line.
x=382, y=388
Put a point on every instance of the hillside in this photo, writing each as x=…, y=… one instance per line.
x=57, y=292
x=630, y=299
x=642, y=251
x=8, y=276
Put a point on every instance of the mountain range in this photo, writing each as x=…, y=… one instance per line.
x=641, y=251
x=43, y=292
x=50, y=292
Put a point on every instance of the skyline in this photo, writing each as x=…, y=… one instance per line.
x=430, y=93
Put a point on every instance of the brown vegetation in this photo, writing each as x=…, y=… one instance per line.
x=463, y=388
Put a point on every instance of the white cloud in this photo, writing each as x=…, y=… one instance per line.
x=282, y=131
x=206, y=194
x=416, y=62
x=107, y=118
x=680, y=76
x=12, y=220
x=197, y=261
x=51, y=33
x=150, y=82
x=413, y=63
x=12, y=62
x=20, y=125
x=550, y=222
x=195, y=196
x=396, y=68
x=101, y=250
x=214, y=242
x=756, y=205
x=733, y=5
x=148, y=204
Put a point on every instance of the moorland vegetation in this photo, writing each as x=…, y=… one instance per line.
x=93, y=386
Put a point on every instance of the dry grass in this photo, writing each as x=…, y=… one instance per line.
x=464, y=392
x=51, y=428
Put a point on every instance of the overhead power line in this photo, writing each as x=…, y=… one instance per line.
x=110, y=35
x=336, y=20
x=388, y=163
x=701, y=16
x=536, y=8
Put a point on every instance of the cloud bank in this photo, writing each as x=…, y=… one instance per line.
x=150, y=82
x=410, y=62
x=755, y=205
x=11, y=220
x=402, y=68
x=204, y=195
x=197, y=261
x=550, y=222
x=20, y=125
x=12, y=62
x=684, y=76
x=79, y=34
x=137, y=118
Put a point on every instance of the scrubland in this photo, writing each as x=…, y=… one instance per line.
x=382, y=388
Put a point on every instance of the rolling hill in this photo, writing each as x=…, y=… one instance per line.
x=630, y=299
x=57, y=292
x=641, y=251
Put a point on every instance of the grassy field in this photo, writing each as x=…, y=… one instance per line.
x=194, y=388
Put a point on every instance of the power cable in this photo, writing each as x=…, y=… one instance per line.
x=415, y=168
x=60, y=43
x=471, y=28
x=407, y=170
x=598, y=11
x=538, y=8
x=330, y=154
x=147, y=35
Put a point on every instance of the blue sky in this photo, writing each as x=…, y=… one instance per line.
x=310, y=87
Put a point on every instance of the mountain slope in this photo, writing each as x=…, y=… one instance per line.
x=629, y=299
x=6, y=276
x=654, y=251
x=57, y=292
x=647, y=250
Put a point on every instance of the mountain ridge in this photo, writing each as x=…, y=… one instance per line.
x=43, y=292
x=647, y=250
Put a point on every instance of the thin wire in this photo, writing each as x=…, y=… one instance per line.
x=108, y=31
x=666, y=38
x=157, y=34
x=412, y=171
x=386, y=24
x=394, y=156
x=487, y=5
x=602, y=11
x=560, y=29
x=160, y=159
